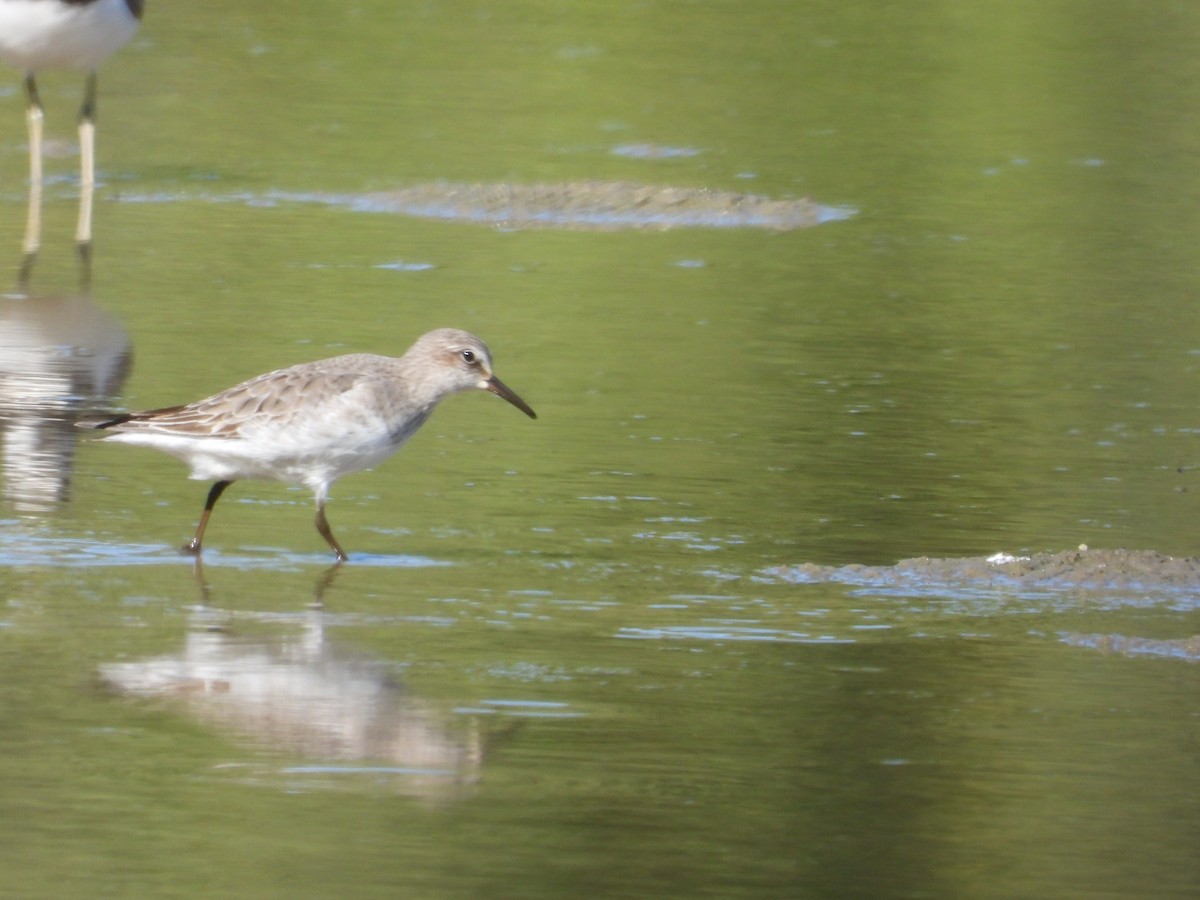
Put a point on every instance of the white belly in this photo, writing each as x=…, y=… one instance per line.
x=275, y=458
x=47, y=34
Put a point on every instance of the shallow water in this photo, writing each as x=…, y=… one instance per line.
x=657, y=642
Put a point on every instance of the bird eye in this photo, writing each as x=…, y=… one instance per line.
x=469, y=357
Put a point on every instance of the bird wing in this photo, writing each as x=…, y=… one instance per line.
x=277, y=399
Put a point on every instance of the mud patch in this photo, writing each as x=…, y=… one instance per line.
x=566, y=206
x=1187, y=649
x=591, y=206
x=1125, y=570
x=600, y=206
x=1131, y=583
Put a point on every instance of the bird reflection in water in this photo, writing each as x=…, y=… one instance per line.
x=60, y=355
x=293, y=691
x=322, y=584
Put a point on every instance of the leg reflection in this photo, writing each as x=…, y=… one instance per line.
x=324, y=583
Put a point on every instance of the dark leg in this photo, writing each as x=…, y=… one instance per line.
x=87, y=113
x=327, y=533
x=33, y=224
x=214, y=495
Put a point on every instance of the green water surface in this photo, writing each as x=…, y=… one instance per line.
x=578, y=618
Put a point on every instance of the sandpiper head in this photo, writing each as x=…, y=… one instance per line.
x=466, y=362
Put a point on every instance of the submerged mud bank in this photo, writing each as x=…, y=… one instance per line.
x=1099, y=581
x=1140, y=570
x=1186, y=649
x=593, y=206
x=565, y=206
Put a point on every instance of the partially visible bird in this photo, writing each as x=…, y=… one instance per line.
x=77, y=35
x=315, y=422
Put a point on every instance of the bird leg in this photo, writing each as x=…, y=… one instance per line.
x=87, y=160
x=327, y=533
x=34, y=115
x=214, y=495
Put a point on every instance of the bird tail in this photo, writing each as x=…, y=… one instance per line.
x=100, y=422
